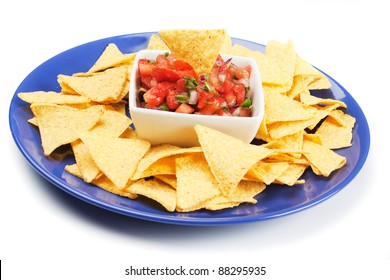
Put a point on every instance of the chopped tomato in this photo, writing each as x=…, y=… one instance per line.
x=181, y=85
x=172, y=101
x=165, y=74
x=185, y=108
x=239, y=91
x=156, y=95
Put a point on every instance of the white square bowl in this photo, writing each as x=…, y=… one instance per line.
x=160, y=127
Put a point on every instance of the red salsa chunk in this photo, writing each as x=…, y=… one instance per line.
x=169, y=84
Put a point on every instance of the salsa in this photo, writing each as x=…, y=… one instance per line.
x=169, y=84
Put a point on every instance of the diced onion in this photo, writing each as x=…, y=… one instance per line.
x=237, y=112
x=244, y=81
x=222, y=77
x=193, y=97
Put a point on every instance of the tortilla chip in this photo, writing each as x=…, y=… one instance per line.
x=102, y=182
x=245, y=192
x=322, y=159
x=52, y=97
x=334, y=135
x=89, y=170
x=308, y=99
x=195, y=182
x=267, y=172
x=112, y=123
x=199, y=48
x=291, y=175
x=279, y=66
x=229, y=158
x=158, y=152
x=117, y=158
x=156, y=190
x=155, y=43
x=111, y=57
x=104, y=86
x=60, y=125
x=280, y=108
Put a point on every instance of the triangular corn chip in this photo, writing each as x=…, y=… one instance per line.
x=59, y=125
x=199, y=48
x=229, y=158
x=117, y=158
x=195, y=182
x=104, y=86
x=111, y=57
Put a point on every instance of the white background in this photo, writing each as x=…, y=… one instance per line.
x=48, y=234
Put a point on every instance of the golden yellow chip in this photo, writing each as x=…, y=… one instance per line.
x=156, y=153
x=334, y=135
x=245, y=192
x=102, y=182
x=52, y=97
x=169, y=179
x=155, y=43
x=281, y=129
x=308, y=99
x=291, y=175
x=199, y=48
x=279, y=66
x=60, y=125
x=129, y=133
x=111, y=57
x=267, y=172
x=104, y=86
x=195, y=182
x=85, y=163
x=156, y=190
x=322, y=159
x=280, y=108
x=229, y=165
x=117, y=158
x=112, y=123
x=163, y=166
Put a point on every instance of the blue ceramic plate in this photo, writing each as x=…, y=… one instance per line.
x=275, y=201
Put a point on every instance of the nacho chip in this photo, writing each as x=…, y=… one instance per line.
x=111, y=123
x=104, y=86
x=195, y=182
x=111, y=57
x=291, y=175
x=308, y=99
x=156, y=190
x=89, y=170
x=60, y=125
x=155, y=43
x=102, y=182
x=279, y=66
x=267, y=172
x=199, y=48
x=117, y=158
x=158, y=152
x=334, y=135
x=280, y=108
x=169, y=179
x=52, y=97
x=322, y=159
x=245, y=192
x=229, y=158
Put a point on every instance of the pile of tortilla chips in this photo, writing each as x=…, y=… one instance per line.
x=299, y=130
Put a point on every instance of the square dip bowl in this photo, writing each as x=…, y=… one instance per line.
x=165, y=127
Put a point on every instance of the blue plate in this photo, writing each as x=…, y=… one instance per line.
x=275, y=201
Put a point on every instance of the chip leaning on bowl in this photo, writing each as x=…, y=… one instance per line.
x=298, y=131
